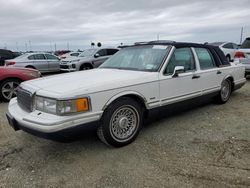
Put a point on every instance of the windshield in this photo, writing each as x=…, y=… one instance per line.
x=87, y=53
x=142, y=58
x=246, y=44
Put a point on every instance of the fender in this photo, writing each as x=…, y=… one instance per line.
x=124, y=93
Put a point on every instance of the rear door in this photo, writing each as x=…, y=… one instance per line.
x=53, y=63
x=211, y=76
x=39, y=61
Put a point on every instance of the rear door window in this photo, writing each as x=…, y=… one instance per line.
x=205, y=58
x=37, y=57
x=51, y=57
x=228, y=46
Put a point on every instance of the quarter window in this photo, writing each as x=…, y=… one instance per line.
x=181, y=57
x=228, y=46
x=205, y=58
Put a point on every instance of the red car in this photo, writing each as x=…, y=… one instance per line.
x=11, y=77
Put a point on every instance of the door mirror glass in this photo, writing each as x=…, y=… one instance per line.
x=178, y=70
x=97, y=55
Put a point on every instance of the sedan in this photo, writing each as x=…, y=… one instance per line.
x=44, y=62
x=119, y=94
x=10, y=78
x=228, y=48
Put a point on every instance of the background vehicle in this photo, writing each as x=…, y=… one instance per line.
x=61, y=52
x=243, y=55
x=6, y=54
x=10, y=78
x=89, y=59
x=44, y=62
x=67, y=55
x=228, y=48
x=121, y=92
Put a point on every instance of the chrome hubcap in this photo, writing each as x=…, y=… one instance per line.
x=124, y=123
x=225, y=90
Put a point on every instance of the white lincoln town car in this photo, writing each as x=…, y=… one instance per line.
x=118, y=95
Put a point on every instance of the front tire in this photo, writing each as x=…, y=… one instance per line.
x=85, y=67
x=8, y=89
x=121, y=122
x=225, y=92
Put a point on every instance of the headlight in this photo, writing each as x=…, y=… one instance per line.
x=46, y=105
x=74, y=61
x=62, y=107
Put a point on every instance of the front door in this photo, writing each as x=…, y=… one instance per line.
x=184, y=86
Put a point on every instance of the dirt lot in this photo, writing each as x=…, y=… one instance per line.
x=206, y=146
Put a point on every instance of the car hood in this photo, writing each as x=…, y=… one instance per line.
x=86, y=82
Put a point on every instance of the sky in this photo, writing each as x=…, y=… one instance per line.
x=63, y=24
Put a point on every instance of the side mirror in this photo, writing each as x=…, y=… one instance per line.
x=178, y=70
x=97, y=55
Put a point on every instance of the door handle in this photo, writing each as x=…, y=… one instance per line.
x=219, y=72
x=196, y=76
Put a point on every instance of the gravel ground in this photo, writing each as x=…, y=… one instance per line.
x=204, y=146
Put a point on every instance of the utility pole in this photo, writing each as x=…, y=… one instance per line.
x=68, y=46
x=26, y=47
x=30, y=45
x=158, y=37
x=241, y=35
x=17, y=47
x=55, y=47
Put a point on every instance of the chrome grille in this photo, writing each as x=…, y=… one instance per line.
x=25, y=99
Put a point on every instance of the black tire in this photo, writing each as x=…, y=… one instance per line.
x=129, y=123
x=228, y=58
x=6, y=87
x=85, y=67
x=225, y=92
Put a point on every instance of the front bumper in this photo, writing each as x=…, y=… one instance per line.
x=45, y=123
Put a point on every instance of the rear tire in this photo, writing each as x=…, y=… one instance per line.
x=8, y=89
x=225, y=92
x=228, y=58
x=121, y=122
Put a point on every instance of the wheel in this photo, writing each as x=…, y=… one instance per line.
x=225, y=92
x=121, y=122
x=228, y=58
x=9, y=89
x=85, y=67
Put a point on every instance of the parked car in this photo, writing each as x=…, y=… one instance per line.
x=228, y=48
x=70, y=54
x=10, y=78
x=121, y=92
x=89, y=59
x=243, y=55
x=6, y=54
x=61, y=52
x=44, y=62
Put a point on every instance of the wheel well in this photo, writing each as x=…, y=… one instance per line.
x=86, y=64
x=30, y=66
x=137, y=98
x=9, y=78
x=232, y=81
